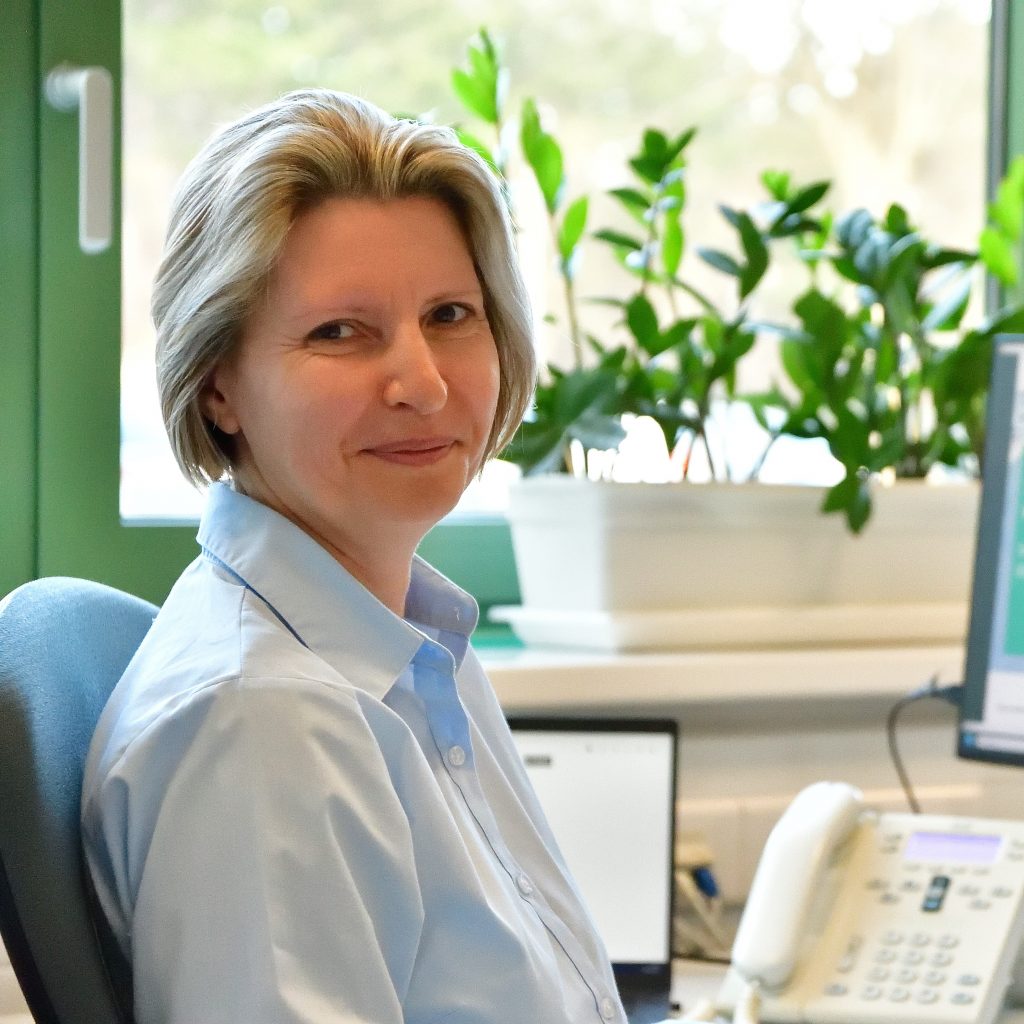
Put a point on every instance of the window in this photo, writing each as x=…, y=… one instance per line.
x=847, y=92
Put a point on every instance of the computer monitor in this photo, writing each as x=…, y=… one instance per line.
x=992, y=708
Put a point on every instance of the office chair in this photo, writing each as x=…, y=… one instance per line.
x=64, y=643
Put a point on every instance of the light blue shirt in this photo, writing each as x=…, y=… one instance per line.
x=300, y=807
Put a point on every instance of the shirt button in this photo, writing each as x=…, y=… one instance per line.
x=524, y=885
x=607, y=1008
x=456, y=757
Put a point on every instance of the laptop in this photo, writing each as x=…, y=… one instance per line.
x=608, y=788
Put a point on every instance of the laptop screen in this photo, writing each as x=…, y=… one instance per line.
x=608, y=790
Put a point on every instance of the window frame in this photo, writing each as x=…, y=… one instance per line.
x=59, y=360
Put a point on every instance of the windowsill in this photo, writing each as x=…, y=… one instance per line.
x=552, y=681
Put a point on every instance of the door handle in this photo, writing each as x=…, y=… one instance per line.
x=90, y=91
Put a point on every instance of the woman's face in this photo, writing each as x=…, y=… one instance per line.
x=362, y=393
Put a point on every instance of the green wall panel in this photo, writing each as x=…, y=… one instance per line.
x=18, y=298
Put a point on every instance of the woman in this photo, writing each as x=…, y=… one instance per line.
x=302, y=803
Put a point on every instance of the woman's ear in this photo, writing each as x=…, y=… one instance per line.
x=216, y=404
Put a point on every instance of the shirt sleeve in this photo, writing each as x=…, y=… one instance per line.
x=266, y=860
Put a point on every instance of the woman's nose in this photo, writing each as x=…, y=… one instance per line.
x=413, y=378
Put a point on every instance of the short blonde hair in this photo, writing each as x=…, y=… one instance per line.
x=231, y=214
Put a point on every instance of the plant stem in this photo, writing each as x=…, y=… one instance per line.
x=707, y=449
x=688, y=456
x=570, y=300
x=755, y=472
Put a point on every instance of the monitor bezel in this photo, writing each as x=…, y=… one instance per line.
x=977, y=655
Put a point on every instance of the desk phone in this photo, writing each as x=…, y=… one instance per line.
x=856, y=917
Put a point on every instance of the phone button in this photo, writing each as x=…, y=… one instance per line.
x=920, y=939
x=837, y=988
x=948, y=941
x=941, y=960
x=934, y=978
x=878, y=973
x=892, y=938
x=927, y=995
x=968, y=980
x=871, y=992
x=962, y=998
x=906, y=976
x=885, y=956
x=913, y=958
x=899, y=995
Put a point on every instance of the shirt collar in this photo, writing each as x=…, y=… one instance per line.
x=319, y=601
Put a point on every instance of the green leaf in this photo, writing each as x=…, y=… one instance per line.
x=543, y=154
x=677, y=333
x=672, y=246
x=650, y=170
x=756, y=252
x=731, y=215
x=997, y=255
x=935, y=257
x=596, y=430
x=580, y=390
x=946, y=314
x=807, y=197
x=643, y=323
x=635, y=202
x=853, y=228
x=777, y=183
x=476, y=96
x=680, y=142
x=573, y=224
x=1004, y=321
x=852, y=495
x=537, y=448
x=655, y=144
x=617, y=238
x=1006, y=211
x=720, y=261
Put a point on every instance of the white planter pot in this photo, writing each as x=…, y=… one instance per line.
x=631, y=566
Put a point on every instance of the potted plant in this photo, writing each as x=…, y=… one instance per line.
x=875, y=362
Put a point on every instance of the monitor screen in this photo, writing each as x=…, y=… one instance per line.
x=992, y=710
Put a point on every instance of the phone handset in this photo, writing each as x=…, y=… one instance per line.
x=788, y=876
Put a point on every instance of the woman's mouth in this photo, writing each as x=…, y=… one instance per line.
x=413, y=451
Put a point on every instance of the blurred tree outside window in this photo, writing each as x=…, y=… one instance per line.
x=886, y=99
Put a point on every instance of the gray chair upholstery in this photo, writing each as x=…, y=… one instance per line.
x=64, y=643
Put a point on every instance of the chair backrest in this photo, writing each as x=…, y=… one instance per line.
x=64, y=643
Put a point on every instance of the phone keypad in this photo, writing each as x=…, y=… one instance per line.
x=918, y=967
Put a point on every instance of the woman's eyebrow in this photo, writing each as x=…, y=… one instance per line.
x=328, y=308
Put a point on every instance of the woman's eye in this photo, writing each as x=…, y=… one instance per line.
x=451, y=313
x=334, y=331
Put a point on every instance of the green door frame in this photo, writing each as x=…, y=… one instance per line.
x=18, y=295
